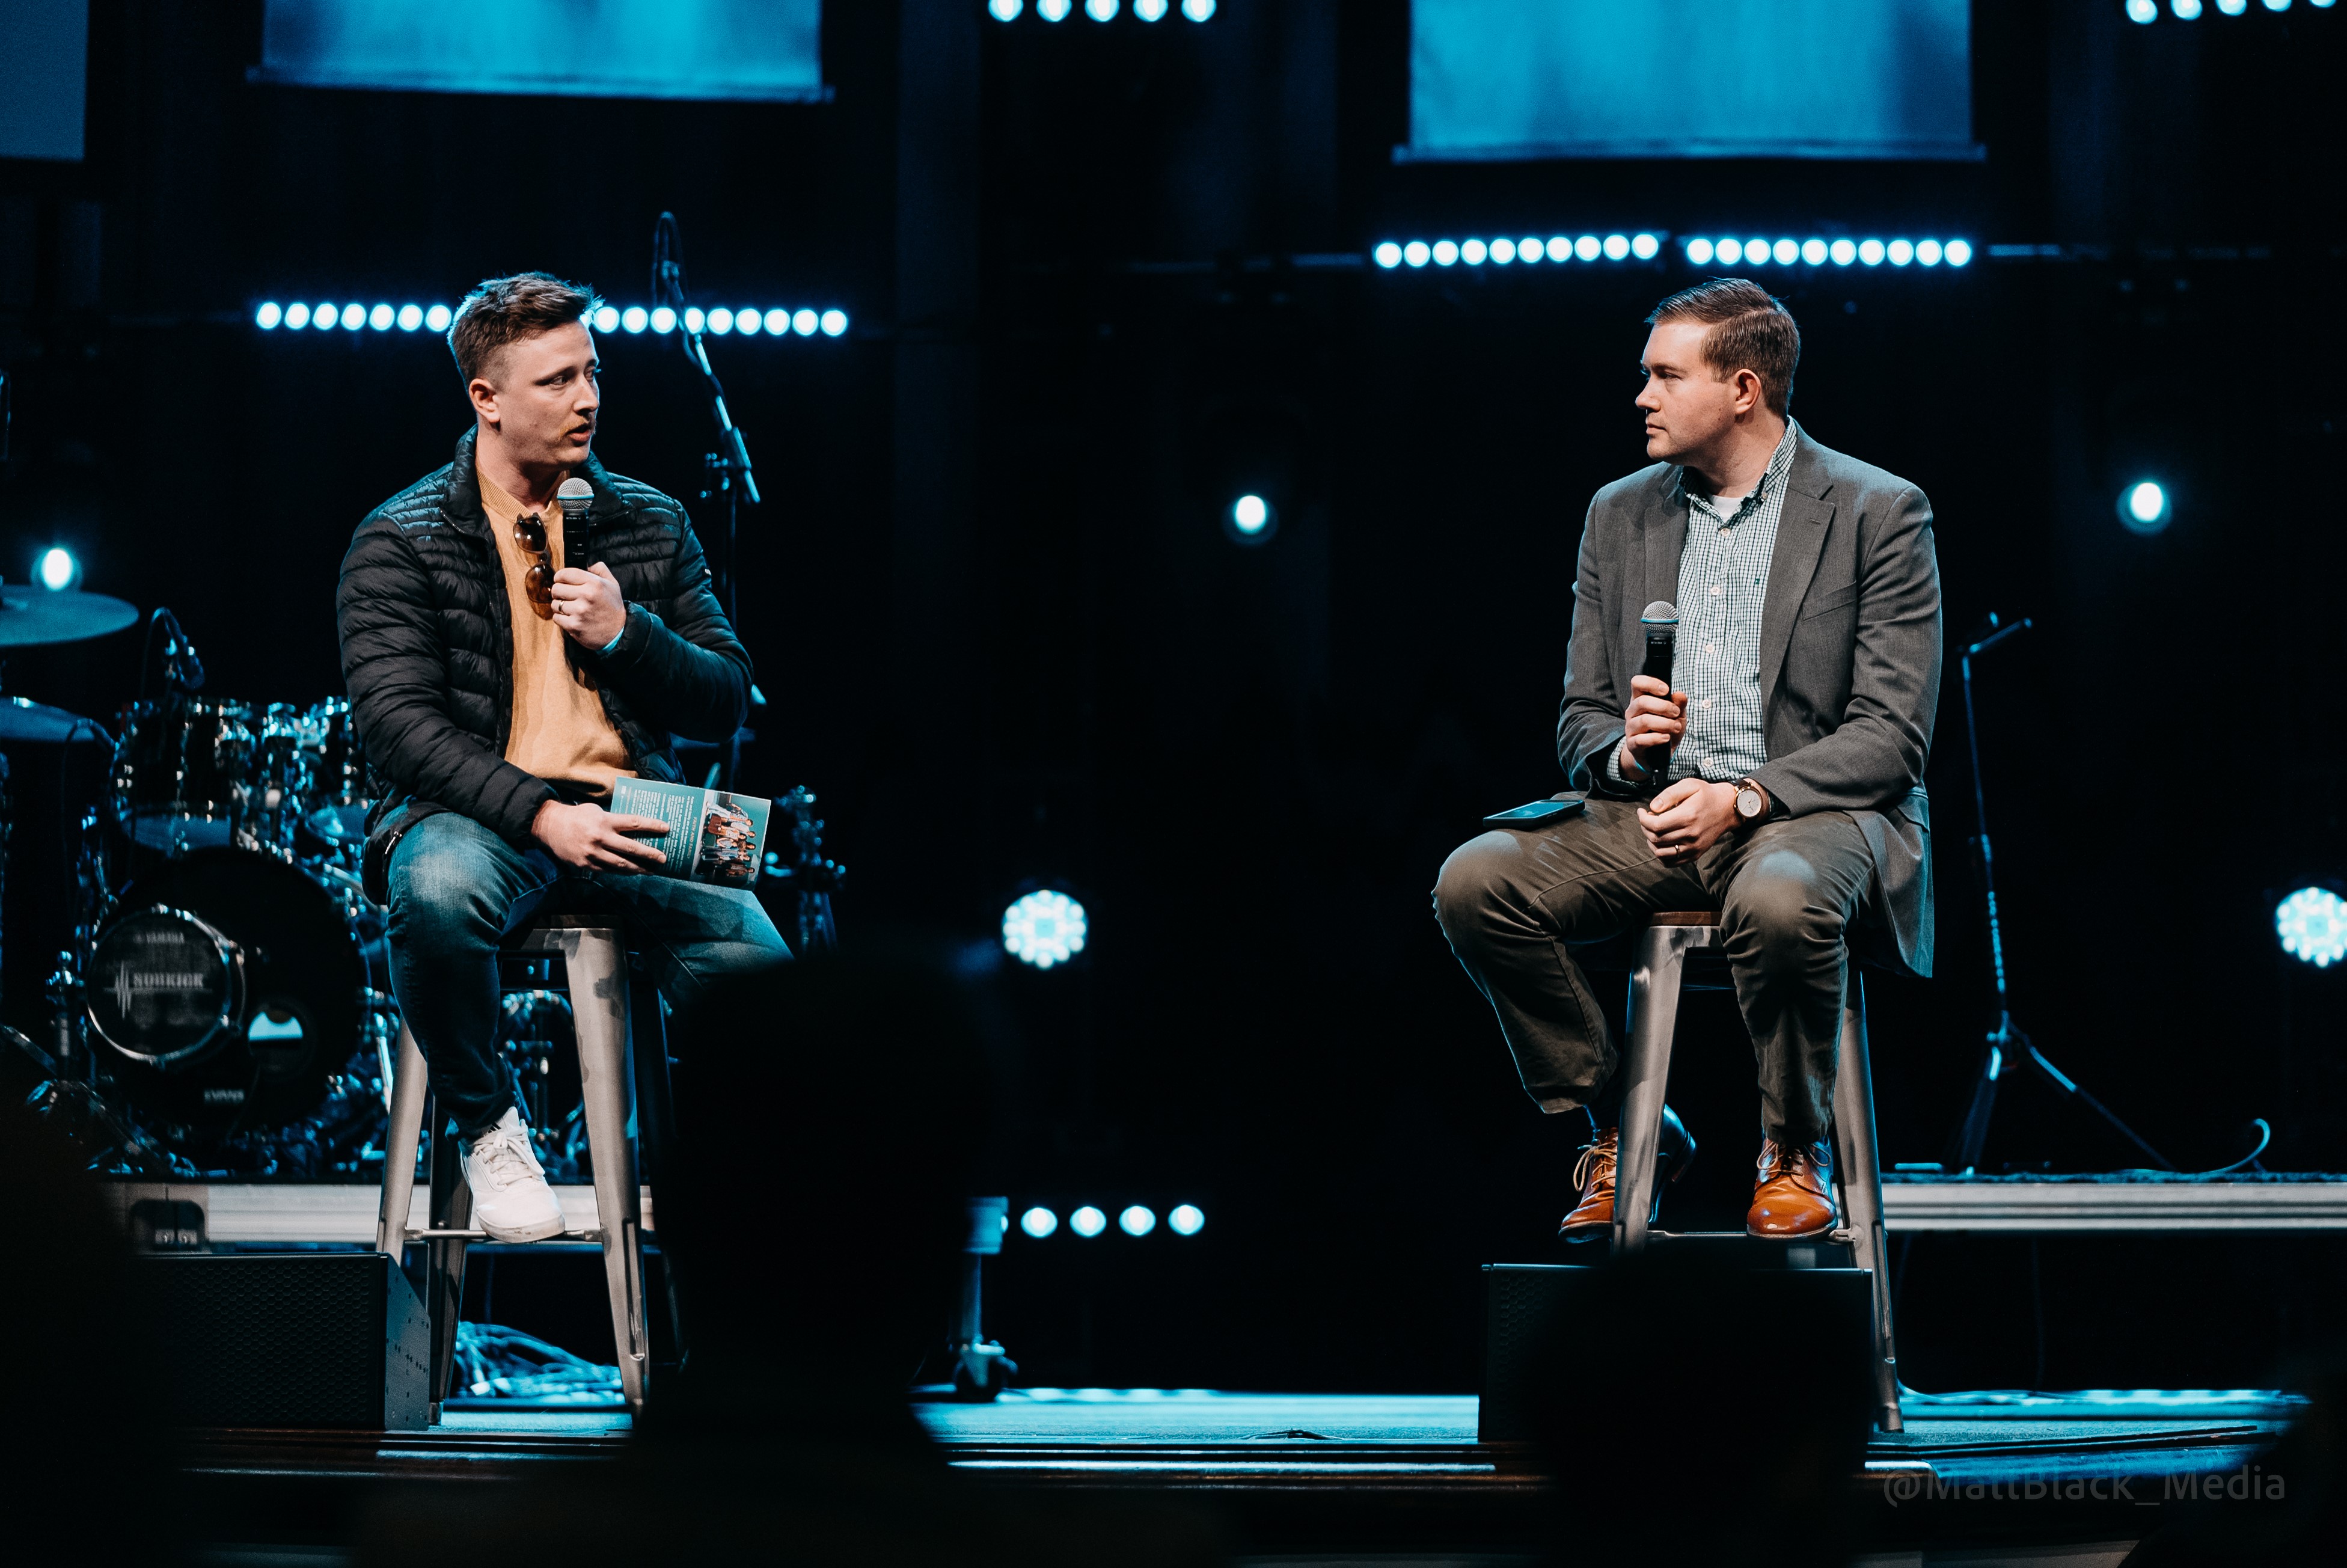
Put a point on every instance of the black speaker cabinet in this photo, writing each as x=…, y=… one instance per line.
x=1530, y=1308
x=288, y=1339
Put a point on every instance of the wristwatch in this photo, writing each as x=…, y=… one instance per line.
x=1751, y=803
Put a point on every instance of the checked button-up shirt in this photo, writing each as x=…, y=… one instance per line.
x=1723, y=579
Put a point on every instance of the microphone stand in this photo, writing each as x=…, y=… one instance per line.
x=2007, y=1035
x=730, y=463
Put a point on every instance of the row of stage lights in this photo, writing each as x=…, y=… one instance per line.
x=1099, y=10
x=1701, y=252
x=2146, y=12
x=748, y=322
x=1138, y=1220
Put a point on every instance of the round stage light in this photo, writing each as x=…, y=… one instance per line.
x=1005, y=10
x=1870, y=252
x=1387, y=255
x=634, y=318
x=324, y=317
x=1617, y=247
x=410, y=317
x=693, y=318
x=663, y=320
x=1899, y=251
x=1787, y=253
x=2144, y=507
x=748, y=322
x=804, y=322
x=58, y=570
x=354, y=317
x=1730, y=251
x=297, y=315
x=2233, y=7
x=1841, y=252
x=1928, y=252
x=437, y=317
x=605, y=319
x=1756, y=252
x=1149, y=10
x=1136, y=1221
x=2312, y=925
x=2142, y=12
x=1698, y=251
x=1958, y=252
x=1560, y=248
x=2277, y=5
x=1197, y=10
x=1039, y=1221
x=1100, y=10
x=2185, y=10
x=1417, y=253
x=1813, y=251
x=267, y=317
x=1445, y=253
x=1185, y=1220
x=1044, y=929
x=380, y=318
x=1528, y=249
x=1472, y=252
x=1088, y=1221
x=1251, y=519
x=1052, y=10
x=1503, y=250
x=1587, y=247
x=719, y=321
x=1646, y=247
x=834, y=322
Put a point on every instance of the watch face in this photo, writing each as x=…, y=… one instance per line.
x=1748, y=803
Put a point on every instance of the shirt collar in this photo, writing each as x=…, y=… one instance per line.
x=1780, y=463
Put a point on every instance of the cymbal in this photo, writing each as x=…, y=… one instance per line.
x=22, y=721
x=30, y=617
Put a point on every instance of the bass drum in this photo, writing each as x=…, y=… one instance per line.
x=231, y=989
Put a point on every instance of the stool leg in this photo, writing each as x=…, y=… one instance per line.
x=402, y=1130
x=598, y=967
x=655, y=1131
x=444, y=1280
x=1862, y=1184
x=1645, y=1073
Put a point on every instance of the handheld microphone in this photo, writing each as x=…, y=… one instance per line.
x=1660, y=621
x=575, y=497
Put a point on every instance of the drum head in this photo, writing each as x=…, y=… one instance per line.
x=279, y=1037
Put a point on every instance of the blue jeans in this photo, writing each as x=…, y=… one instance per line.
x=457, y=889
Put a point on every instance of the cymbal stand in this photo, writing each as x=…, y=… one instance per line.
x=2004, y=1039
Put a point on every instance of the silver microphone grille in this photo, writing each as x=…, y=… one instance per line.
x=1661, y=612
x=578, y=495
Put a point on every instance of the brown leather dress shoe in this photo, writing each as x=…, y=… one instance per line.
x=1793, y=1195
x=1594, y=1216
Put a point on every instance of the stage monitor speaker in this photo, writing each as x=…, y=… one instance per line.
x=288, y=1339
x=1528, y=1309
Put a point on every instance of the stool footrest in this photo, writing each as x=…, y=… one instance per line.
x=596, y=1236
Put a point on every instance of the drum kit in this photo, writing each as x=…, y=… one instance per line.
x=221, y=997
x=220, y=1000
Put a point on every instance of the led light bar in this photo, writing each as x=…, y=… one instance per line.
x=1099, y=10
x=1700, y=251
x=2144, y=13
x=746, y=321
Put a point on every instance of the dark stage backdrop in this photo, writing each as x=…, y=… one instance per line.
x=1006, y=639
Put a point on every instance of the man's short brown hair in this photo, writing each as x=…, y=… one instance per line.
x=1751, y=330
x=500, y=311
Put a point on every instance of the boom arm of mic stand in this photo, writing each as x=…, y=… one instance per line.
x=736, y=454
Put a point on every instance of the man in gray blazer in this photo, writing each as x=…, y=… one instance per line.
x=1780, y=776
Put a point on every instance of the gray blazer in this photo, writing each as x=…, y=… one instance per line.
x=1849, y=659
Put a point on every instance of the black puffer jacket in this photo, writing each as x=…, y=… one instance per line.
x=427, y=650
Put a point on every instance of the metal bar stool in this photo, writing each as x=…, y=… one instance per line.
x=595, y=967
x=1657, y=970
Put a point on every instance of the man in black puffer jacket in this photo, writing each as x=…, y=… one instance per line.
x=499, y=691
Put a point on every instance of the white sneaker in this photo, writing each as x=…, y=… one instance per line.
x=510, y=1198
